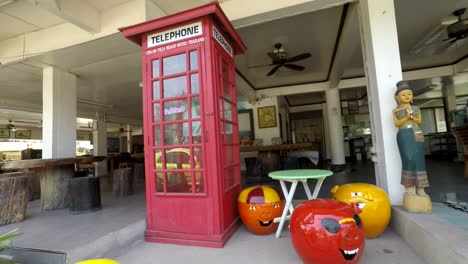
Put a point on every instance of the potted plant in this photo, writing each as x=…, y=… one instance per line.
x=6, y=243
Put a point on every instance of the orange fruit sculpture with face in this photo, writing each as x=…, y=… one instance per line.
x=258, y=206
x=372, y=200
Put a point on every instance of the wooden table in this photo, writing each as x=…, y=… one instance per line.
x=55, y=175
x=281, y=147
x=296, y=176
x=271, y=155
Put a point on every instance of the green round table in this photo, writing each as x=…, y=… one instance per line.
x=296, y=176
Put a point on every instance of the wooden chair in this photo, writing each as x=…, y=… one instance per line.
x=462, y=135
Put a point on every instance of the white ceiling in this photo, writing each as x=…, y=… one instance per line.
x=22, y=17
x=109, y=68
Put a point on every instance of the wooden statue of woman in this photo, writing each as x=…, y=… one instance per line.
x=411, y=146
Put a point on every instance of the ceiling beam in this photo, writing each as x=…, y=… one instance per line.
x=294, y=89
x=348, y=45
x=462, y=65
x=354, y=82
x=66, y=35
x=429, y=73
x=264, y=10
x=79, y=13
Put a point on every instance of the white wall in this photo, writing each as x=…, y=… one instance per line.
x=263, y=133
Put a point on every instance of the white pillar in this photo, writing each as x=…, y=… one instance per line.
x=335, y=126
x=100, y=144
x=129, y=138
x=383, y=70
x=450, y=99
x=58, y=113
x=327, y=131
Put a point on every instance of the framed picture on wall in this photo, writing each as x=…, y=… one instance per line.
x=4, y=133
x=266, y=116
x=23, y=134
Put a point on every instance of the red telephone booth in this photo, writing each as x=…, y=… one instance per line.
x=190, y=126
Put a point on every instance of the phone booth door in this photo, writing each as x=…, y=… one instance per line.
x=174, y=101
x=229, y=143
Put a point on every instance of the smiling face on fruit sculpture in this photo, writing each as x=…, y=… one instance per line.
x=327, y=231
x=372, y=200
x=258, y=206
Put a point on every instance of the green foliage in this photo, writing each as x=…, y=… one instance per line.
x=5, y=243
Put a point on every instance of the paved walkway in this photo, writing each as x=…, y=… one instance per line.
x=245, y=248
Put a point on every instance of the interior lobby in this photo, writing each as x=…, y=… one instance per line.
x=315, y=89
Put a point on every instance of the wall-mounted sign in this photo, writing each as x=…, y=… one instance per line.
x=183, y=32
x=222, y=41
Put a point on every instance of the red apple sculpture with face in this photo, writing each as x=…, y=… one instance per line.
x=326, y=231
x=258, y=206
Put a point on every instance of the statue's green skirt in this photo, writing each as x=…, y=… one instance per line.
x=413, y=171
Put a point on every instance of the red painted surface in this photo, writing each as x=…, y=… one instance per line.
x=327, y=231
x=190, y=126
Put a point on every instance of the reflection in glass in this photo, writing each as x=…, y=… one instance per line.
x=227, y=90
x=155, y=68
x=156, y=94
x=199, y=185
x=175, y=110
x=228, y=134
x=196, y=128
x=156, y=112
x=176, y=134
x=177, y=159
x=177, y=182
x=194, y=83
x=196, y=107
x=198, y=157
x=193, y=60
x=175, y=87
x=227, y=111
x=229, y=159
x=231, y=177
x=159, y=182
x=157, y=136
x=174, y=64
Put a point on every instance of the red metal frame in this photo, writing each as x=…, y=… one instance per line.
x=194, y=215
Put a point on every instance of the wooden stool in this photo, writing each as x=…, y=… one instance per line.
x=14, y=187
x=123, y=182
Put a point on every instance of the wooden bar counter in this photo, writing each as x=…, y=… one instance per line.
x=55, y=175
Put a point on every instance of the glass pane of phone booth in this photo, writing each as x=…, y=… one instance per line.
x=177, y=124
x=228, y=114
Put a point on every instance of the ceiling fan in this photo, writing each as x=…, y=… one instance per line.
x=123, y=130
x=280, y=59
x=459, y=29
x=449, y=34
x=10, y=126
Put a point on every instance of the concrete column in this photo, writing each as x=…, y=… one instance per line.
x=100, y=143
x=327, y=131
x=59, y=113
x=383, y=70
x=335, y=127
x=129, y=138
x=450, y=99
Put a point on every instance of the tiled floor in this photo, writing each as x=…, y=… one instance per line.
x=445, y=178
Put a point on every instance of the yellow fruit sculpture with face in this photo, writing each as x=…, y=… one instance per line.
x=372, y=200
